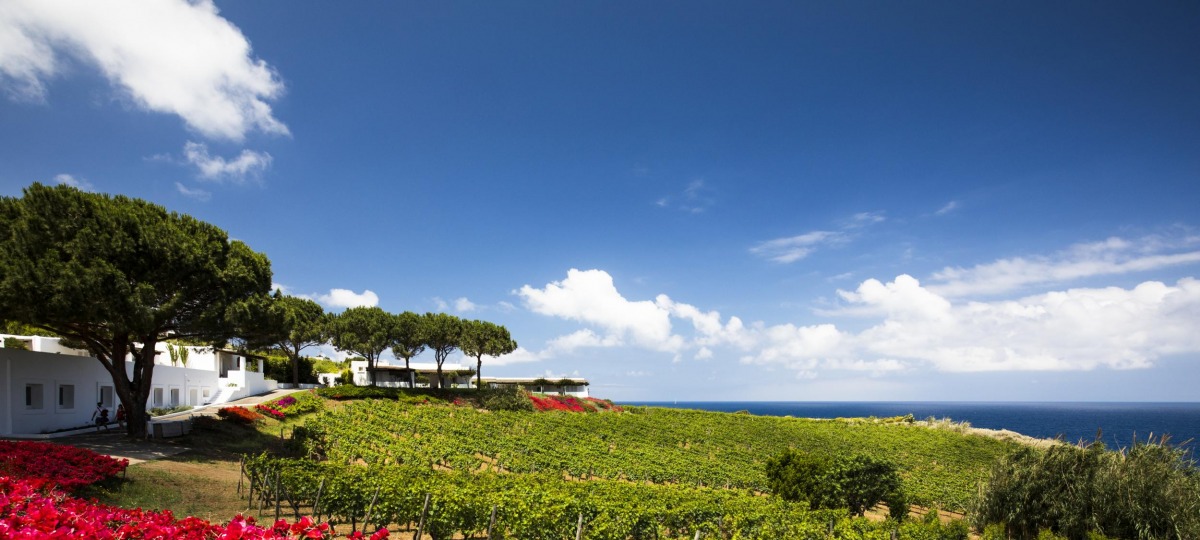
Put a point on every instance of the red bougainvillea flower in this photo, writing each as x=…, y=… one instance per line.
x=56, y=465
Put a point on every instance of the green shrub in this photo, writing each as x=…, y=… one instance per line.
x=856, y=482
x=1150, y=491
x=161, y=411
x=15, y=343
x=506, y=399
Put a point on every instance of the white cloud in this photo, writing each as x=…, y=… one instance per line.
x=910, y=325
x=794, y=248
x=1075, y=329
x=170, y=56
x=346, y=298
x=696, y=198
x=519, y=356
x=77, y=183
x=947, y=208
x=1113, y=256
x=462, y=305
x=247, y=165
x=863, y=219
x=198, y=194
x=589, y=296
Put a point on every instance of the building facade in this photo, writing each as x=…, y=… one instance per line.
x=46, y=387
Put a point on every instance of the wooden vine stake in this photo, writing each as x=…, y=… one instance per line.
x=278, y=489
x=367, y=518
x=491, y=523
x=579, y=527
x=697, y=537
x=421, y=523
x=262, y=495
x=250, y=495
x=241, y=472
x=317, y=502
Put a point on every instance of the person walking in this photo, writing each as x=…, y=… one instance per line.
x=100, y=417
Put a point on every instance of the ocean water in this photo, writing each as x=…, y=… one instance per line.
x=1116, y=423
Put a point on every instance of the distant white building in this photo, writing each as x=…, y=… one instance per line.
x=423, y=375
x=570, y=386
x=47, y=387
x=418, y=374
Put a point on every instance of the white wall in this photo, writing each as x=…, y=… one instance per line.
x=183, y=380
x=82, y=379
x=44, y=344
x=5, y=391
x=82, y=376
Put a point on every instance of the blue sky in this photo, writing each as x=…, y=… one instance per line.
x=676, y=200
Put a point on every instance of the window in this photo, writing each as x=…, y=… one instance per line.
x=33, y=396
x=66, y=396
x=106, y=397
x=156, y=398
x=174, y=397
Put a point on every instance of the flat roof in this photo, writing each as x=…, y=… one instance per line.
x=533, y=380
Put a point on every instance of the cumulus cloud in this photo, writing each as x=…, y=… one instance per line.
x=910, y=326
x=345, y=298
x=463, y=305
x=1108, y=257
x=1075, y=329
x=168, y=56
x=519, y=356
x=77, y=183
x=198, y=194
x=589, y=296
x=247, y=165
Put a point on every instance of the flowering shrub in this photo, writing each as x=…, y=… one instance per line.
x=267, y=409
x=571, y=404
x=49, y=465
x=604, y=404
x=27, y=512
x=240, y=415
x=293, y=404
x=285, y=402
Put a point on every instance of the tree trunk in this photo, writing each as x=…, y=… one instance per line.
x=134, y=392
x=479, y=372
x=295, y=369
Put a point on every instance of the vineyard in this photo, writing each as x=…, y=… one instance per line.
x=645, y=445
x=448, y=469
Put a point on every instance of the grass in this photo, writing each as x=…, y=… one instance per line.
x=201, y=482
x=181, y=484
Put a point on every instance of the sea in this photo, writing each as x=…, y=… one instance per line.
x=1116, y=424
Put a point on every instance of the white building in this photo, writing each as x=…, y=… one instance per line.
x=422, y=374
x=47, y=387
x=571, y=386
